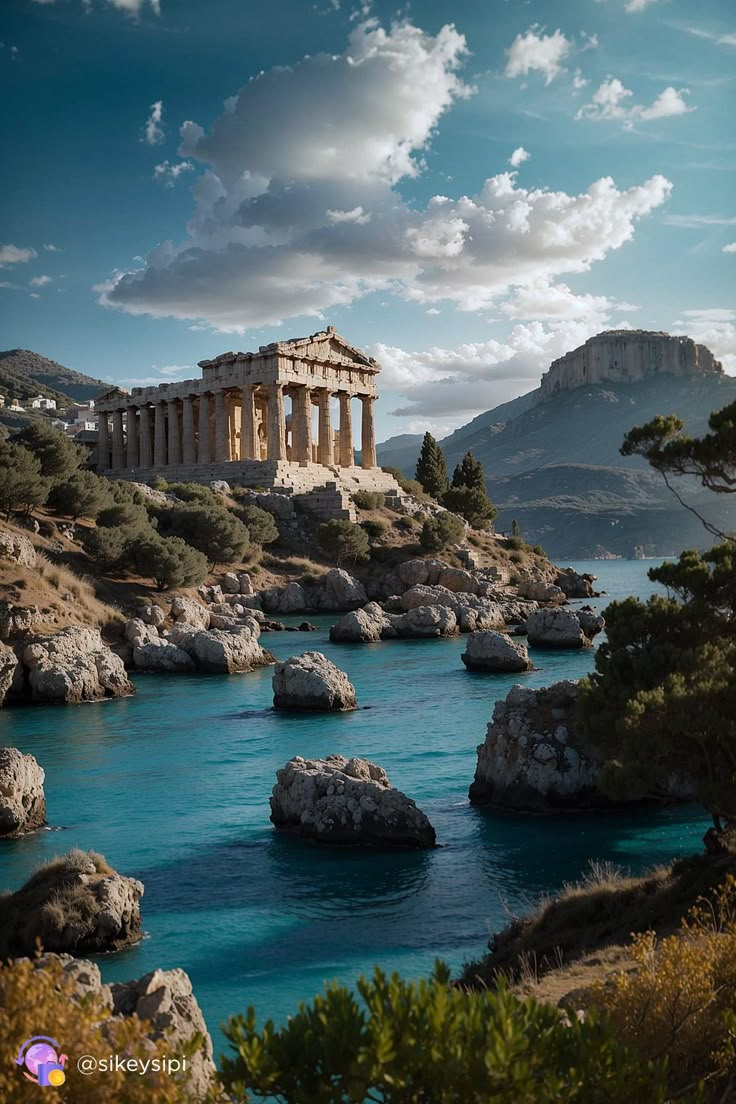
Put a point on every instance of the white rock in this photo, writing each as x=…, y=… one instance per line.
x=342, y=591
x=190, y=612
x=8, y=667
x=160, y=655
x=16, y=547
x=310, y=681
x=339, y=800
x=73, y=666
x=246, y=583
x=222, y=650
x=230, y=583
x=562, y=628
x=495, y=652
x=22, y=800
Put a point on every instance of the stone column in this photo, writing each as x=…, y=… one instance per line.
x=159, y=436
x=248, y=425
x=145, y=451
x=118, y=440
x=368, y=434
x=346, y=458
x=204, y=454
x=131, y=426
x=276, y=423
x=222, y=427
x=103, y=443
x=302, y=423
x=325, y=452
x=188, y=445
x=174, y=455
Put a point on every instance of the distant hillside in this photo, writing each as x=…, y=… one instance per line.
x=24, y=373
x=555, y=465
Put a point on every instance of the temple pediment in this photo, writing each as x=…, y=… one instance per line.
x=328, y=345
x=111, y=393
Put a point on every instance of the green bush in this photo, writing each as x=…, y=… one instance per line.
x=212, y=530
x=369, y=500
x=128, y=517
x=441, y=531
x=406, y=1042
x=374, y=529
x=344, y=541
x=84, y=494
x=22, y=485
x=169, y=561
x=193, y=492
x=471, y=503
x=107, y=547
x=58, y=456
x=259, y=523
x=516, y=543
x=409, y=486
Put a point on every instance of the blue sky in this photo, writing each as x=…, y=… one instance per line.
x=465, y=189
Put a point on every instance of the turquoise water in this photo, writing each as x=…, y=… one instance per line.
x=173, y=785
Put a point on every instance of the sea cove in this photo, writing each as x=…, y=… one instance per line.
x=172, y=785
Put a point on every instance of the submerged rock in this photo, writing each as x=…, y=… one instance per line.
x=347, y=801
x=74, y=665
x=22, y=799
x=563, y=628
x=310, y=681
x=77, y=904
x=495, y=652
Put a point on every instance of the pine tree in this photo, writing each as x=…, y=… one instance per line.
x=432, y=468
x=469, y=473
x=515, y=528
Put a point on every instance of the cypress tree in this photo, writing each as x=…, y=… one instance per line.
x=432, y=468
x=469, y=473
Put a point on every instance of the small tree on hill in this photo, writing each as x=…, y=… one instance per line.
x=128, y=517
x=169, y=561
x=468, y=496
x=344, y=541
x=441, y=532
x=212, y=530
x=469, y=473
x=109, y=548
x=22, y=486
x=432, y=467
x=515, y=528
x=84, y=494
x=58, y=456
x=259, y=523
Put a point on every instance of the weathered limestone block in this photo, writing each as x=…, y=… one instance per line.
x=73, y=666
x=563, y=628
x=459, y=581
x=539, y=590
x=223, y=651
x=8, y=667
x=426, y=621
x=230, y=583
x=574, y=584
x=246, y=583
x=364, y=626
x=190, y=612
x=151, y=615
x=22, y=799
x=310, y=681
x=495, y=652
x=342, y=591
x=347, y=801
x=290, y=599
x=18, y=620
x=16, y=547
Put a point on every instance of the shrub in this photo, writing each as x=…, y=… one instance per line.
x=369, y=500
x=404, y=1042
x=84, y=494
x=515, y=543
x=22, y=485
x=169, y=561
x=374, y=529
x=107, y=547
x=259, y=523
x=472, y=503
x=441, y=531
x=57, y=454
x=409, y=486
x=344, y=541
x=127, y=516
x=212, y=530
x=193, y=492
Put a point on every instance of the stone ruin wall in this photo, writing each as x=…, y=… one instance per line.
x=625, y=356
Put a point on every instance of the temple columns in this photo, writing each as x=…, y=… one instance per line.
x=174, y=456
x=325, y=450
x=368, y=434
x=131, y=427
x=222, y=427
x=346, y=457
x=144, y=437
x=103, y=443
x=188, y=445
x=276, y=423
x=159, y=436
x=248, y=424
x=118, y=440
x=302, y=440
x=205, y=453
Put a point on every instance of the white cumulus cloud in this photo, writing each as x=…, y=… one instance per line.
x=168, y=173
x=41, y=281
x=153, y=132
x=535, y=51
x=131, y=7
x=613, y=100
x=518, y=157
x=730, y=248
x=13, y=254
x=297, y=209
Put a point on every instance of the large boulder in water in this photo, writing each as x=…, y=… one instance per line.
x=22, y=799
x=495, y=652
x=74, y=665
x=77, y=904
x=563, y=628
x=341, y=591
x=222, y=651
x=347, y=801
x=311, y=682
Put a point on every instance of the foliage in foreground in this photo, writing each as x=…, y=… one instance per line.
x=408, y=1042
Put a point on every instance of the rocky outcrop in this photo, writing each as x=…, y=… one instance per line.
x=190, y=612
x=310, y=681
x=73, y=665
x=538, y=590
x=290, y=599
x=76, y=904
x=372, y=623
x=151, y=652
x=531, y=760
x=341, y=591
x=151, y=615
x=495, y=652
x=8, y=666
x=22, y=798
x=563, y=628
x=222, y=651
x=164, y=1000
x=16, y=547
x=347, y=801
x=18, y=620
x=575, y=585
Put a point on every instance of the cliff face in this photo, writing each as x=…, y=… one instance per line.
x=626, y=356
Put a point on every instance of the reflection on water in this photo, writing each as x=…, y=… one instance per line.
x=173, y=786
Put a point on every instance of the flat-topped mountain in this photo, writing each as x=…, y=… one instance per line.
x=552, y=458
x=24, y=373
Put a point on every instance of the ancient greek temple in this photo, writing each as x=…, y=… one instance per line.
x=261, y=419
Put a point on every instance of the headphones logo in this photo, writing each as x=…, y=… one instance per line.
x=43, y=1063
